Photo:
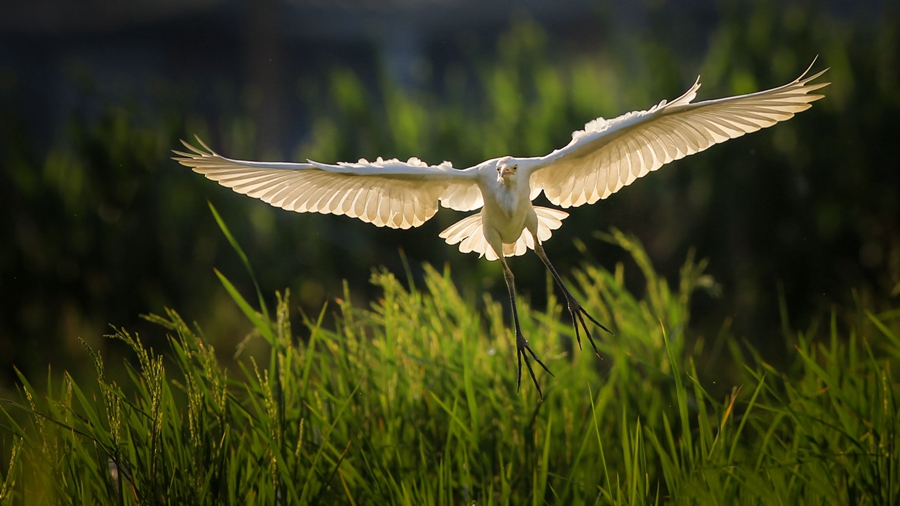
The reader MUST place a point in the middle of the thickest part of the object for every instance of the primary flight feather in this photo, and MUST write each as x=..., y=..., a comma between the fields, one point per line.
x=599, y=161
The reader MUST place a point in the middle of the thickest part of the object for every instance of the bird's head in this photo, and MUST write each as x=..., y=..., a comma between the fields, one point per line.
x=506, y=169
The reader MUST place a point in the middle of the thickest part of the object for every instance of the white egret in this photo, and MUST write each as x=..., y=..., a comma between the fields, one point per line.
x=599, y=161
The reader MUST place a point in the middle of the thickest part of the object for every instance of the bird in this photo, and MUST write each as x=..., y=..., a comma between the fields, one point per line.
x=600, y=160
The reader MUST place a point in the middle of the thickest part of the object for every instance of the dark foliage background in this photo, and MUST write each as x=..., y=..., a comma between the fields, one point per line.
x=98, y=225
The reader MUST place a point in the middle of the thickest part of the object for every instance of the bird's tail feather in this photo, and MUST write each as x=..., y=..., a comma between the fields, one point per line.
x=469, y=234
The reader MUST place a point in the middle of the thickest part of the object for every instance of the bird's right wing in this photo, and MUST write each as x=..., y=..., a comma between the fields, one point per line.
x=387, y=193
x=610, y=154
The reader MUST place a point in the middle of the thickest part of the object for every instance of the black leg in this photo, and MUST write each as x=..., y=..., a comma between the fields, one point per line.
x=522, y=348
x=577, y=312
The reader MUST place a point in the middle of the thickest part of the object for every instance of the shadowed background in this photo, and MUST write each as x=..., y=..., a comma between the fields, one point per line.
x=99, y=225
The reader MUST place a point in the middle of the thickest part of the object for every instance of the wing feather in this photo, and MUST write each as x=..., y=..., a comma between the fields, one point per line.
x=610, y=154
x=385, y=192
x=357, y=202
x=371, y=208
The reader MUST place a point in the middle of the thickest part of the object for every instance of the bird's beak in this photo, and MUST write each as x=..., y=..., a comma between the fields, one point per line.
x=504, y=171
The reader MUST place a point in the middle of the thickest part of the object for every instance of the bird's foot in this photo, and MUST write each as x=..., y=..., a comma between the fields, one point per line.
x=523, y=350
x=579, y=314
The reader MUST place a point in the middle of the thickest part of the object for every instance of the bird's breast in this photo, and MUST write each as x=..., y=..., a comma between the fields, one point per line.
x=507, y=200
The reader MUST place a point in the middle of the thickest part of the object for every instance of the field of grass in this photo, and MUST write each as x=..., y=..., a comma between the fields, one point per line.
x=413, y=401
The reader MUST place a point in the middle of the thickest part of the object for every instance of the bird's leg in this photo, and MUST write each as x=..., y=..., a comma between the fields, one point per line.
x=577, y=312
x=521, y=343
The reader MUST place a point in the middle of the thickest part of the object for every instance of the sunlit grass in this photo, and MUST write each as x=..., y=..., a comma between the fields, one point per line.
x=413, y=401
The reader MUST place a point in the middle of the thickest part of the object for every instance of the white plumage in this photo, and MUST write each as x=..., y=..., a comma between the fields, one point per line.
x=469, y=234
x=599, y=161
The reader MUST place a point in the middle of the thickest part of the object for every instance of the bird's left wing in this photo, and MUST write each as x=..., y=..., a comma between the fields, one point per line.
x=610, y=154
x=384, y=192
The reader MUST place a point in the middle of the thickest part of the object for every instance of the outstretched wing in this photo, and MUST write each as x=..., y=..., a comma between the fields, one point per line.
x=384, y=192
x=610, y=154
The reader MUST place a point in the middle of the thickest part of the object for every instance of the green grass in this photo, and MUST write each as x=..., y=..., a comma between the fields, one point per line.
x=414, y=401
